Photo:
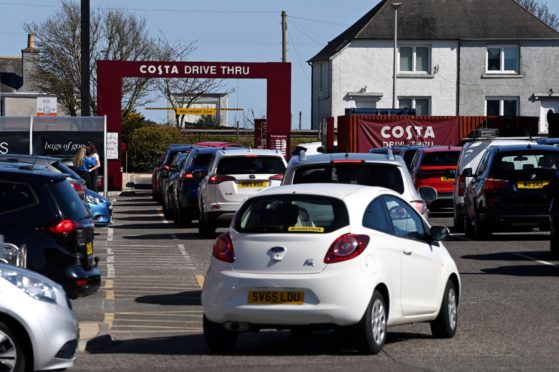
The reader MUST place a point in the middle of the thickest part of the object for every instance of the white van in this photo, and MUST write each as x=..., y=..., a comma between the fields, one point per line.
x=472, y=152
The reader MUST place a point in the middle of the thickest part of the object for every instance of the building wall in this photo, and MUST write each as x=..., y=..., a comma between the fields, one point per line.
x=19, y=106
x=321, y=93
x=538, y=73
x=366, y=66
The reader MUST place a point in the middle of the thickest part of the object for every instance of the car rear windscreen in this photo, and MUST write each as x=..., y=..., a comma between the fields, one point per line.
x=440, y=158
x=519, y=163
x=202, y=160
x=291, y=214
x=70, y=204
x=251, y=165
x=369, y=174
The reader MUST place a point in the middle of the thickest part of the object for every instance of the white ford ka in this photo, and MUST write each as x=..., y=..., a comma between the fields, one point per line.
x=353, y=258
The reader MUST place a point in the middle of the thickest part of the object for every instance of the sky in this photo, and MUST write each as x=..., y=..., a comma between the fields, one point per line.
x=223, y=31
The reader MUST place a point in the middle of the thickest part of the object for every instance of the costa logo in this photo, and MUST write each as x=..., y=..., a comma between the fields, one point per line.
x=159, y=70
x=407, y=132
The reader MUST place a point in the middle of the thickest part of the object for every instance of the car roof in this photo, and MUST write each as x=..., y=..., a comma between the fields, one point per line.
x=328, y=157
x=538, y=147
x=336, y=190
x=26, y=157
x=205, y=150
x=440, y=149
x=23, y=170
x=233, y=151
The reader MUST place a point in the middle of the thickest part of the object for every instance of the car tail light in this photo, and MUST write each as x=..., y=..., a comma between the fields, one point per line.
x=166, y=167
x=419, y=206
x=223, y=248
x=276, y=177
x=187, y=176
x=219, y=178
x=80, y=189
x=346, y=247
x=81, y=283
x=64, y=227
x=494, y=184
x=461, y=185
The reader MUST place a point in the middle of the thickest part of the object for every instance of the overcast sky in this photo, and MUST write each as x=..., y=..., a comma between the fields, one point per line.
x=224, y=30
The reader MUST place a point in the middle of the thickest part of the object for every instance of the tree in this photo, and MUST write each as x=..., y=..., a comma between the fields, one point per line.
x=541, y=11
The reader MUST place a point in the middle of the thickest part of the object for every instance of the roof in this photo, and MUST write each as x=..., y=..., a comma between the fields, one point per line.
x=531, y=147
x=342, y=156
x=335, y=190
x=440, y=149
x=238, y=151
x=443, y=20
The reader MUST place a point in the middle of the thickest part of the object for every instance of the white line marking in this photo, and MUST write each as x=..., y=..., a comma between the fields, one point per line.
x=110, y=234
x=110, y=264
x=535, y=259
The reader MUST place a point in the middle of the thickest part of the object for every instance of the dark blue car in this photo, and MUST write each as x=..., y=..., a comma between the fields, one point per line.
x=186, y=186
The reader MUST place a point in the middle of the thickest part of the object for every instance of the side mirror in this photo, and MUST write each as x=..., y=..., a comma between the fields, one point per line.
x=198, y=174
x=439, y=233
x=428, y=193
x=467, y=172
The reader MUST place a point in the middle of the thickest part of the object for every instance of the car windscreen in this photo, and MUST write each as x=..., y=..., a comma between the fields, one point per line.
x=369, y=174
x=251, y=165
x=68, y=201
x=440, y=158
x=521, y=164
x=292, y=213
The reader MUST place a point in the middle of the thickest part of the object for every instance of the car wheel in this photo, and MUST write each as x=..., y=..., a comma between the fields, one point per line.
x=444, y=326
x=468, y=228
x=554, y=243
x=218, y=338
x=481, y=230
x=371, y=330
x=206, y=226
x=184, y=218
x=459, y=224
x=12, y=357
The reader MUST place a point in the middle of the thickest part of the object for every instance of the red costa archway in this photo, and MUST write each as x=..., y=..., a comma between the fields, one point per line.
x=277, y=75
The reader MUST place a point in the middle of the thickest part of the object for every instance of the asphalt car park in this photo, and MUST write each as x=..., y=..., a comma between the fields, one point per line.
x=148, y=314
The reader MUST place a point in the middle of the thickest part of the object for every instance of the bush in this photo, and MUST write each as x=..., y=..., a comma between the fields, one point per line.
x=147, y=143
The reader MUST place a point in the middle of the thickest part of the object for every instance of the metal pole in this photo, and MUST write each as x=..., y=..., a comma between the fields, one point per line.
x=105, y=172
x=283, y=36
x=84, y=40
x=31, y=123
x=395, y=6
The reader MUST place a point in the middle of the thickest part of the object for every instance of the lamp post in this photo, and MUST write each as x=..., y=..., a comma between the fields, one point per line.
x=395, y=6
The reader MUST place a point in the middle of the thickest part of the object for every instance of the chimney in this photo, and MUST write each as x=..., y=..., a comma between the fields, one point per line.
x=29, y=62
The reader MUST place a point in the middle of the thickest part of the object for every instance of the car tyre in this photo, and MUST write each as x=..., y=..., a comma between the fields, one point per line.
x=459, y=224
x=554, y=243
x=218, y=338
x=468, y=228
x=444, y=326
x=206, y=226
x=184, y=218
x=481, y=230
x=371, y=330
x=11, y=350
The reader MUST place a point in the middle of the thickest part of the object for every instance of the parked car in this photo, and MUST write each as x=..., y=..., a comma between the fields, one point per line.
x=433, y=170
x=155, y=176
x=185, y=187
x=38, y=330
x=472, y=151
x=406, y=151
x=347, y=257
x=233, y=175
x=101, y=208
x=310, y=148
x=384, y=170
x=161, y=170
x=167, y=184
x=511, y=186
x=41, y=211
x=218, y=144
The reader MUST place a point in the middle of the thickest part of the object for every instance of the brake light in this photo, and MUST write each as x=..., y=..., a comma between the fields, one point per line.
x=166, y=167
x=494, y=184
x=346, y=247
x=79, y=188
x=347, y=161
x=64, y=227
x=219, y=178
x=223, y=248
x=187, y=176
x=419, y=206
x=276, y=177
x=82, y=283
x=461, y=185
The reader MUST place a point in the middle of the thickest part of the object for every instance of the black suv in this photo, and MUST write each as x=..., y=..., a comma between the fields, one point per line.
x=40, y=211
x=512, y=185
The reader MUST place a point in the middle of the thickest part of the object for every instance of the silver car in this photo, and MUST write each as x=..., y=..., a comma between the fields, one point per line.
x=38, y=330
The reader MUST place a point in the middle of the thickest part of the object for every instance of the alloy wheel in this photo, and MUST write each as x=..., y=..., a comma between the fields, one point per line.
x=451, y=308
x=378, y=321
x=8, y=353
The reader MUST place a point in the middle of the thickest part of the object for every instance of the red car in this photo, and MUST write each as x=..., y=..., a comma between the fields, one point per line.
x=217, y=144
x=433, y=171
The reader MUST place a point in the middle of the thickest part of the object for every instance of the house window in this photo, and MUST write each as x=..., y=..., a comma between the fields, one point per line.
x=501, y=106
x=502, y=59
x=414, y=59
x=421, y=105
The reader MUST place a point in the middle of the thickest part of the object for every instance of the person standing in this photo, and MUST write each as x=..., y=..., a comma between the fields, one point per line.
x=82, y=163
x=94, y=171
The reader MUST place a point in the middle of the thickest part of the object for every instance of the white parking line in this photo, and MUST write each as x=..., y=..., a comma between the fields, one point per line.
x=535, y=259
x=110, y=263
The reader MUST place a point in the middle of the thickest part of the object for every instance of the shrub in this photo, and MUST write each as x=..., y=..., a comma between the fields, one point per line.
x=147, y=143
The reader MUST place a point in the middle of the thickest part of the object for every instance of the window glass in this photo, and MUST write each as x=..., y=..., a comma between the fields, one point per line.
x=440, y=158
x=422, y=107
x=250, y=165
x=202, y=160
x=509, y=107
x=68, y=201
x=375, y=216
x=493, y=107
x=494, y=59
x=292, y=214
x=370, y=174
x=16, y=196
x=422, y=59
x=515, y=165
x=406, y=59
x=405, y=103
x=405, y=221
x=511, y=60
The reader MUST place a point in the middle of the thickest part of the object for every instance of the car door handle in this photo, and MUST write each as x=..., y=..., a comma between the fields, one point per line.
x=407, y=253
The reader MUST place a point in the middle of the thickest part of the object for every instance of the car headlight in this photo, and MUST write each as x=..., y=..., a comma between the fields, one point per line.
x=92, y=199
x=30, y=284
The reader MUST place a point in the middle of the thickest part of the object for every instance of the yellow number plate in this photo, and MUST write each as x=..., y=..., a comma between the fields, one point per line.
x=253, y=183
x=276, y=297
x=445, y=178
x=89, y=248
x=532, y=184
